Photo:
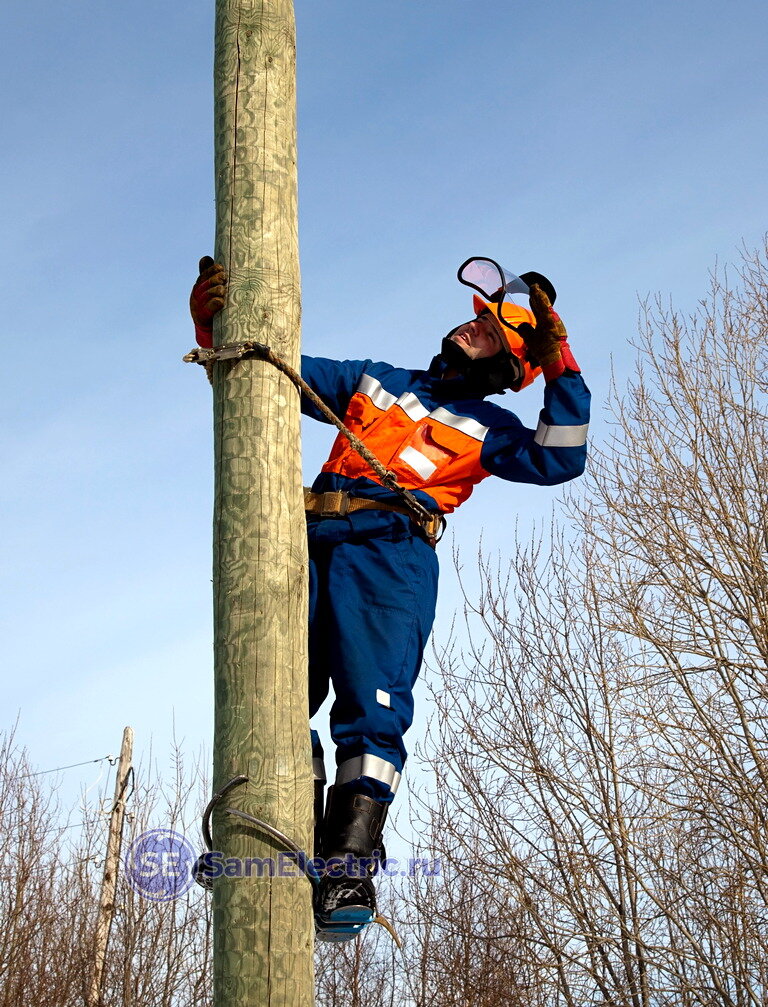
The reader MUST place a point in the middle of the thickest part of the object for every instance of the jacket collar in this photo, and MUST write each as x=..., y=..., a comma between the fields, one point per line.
x=450, y=388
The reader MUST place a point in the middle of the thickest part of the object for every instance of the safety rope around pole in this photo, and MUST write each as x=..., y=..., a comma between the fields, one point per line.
x=242, y=351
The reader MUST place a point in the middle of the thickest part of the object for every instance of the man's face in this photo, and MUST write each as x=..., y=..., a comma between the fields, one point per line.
x=478, y=338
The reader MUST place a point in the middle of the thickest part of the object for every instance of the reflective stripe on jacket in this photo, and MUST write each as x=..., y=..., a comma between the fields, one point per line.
x=437, y=436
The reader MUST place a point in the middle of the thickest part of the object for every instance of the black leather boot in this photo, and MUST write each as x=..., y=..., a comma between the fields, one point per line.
x=345, y=899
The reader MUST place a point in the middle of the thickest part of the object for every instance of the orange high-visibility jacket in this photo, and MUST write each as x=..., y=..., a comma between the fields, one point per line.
x=437, y=436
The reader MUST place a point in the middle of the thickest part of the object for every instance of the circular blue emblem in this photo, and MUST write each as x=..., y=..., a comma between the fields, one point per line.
x=159, y=864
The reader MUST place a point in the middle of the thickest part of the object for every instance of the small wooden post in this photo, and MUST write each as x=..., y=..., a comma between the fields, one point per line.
x=263, y=929
x=111, y=866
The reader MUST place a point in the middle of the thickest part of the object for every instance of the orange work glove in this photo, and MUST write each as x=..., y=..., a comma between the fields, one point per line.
x=207, y=297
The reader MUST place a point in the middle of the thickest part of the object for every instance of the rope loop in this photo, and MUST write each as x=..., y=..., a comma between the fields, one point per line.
x=250, y=349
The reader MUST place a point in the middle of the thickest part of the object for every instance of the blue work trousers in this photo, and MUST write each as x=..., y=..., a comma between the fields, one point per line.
x=372, y=596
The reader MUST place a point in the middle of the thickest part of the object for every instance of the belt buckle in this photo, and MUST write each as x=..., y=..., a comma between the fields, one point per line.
x=435, y=528
x=334, y=503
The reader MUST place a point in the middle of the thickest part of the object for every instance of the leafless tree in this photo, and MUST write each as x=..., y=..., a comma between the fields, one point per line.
x=159, y=951
x=600, y=744
x=465, y=938
x=31, y=934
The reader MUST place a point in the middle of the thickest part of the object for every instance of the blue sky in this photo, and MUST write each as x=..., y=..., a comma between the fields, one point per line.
x=618, y=148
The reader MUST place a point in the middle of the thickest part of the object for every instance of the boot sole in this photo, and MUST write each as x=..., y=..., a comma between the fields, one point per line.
x=343, y=924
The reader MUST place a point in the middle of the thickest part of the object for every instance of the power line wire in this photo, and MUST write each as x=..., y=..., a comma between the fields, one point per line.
x=42, y=772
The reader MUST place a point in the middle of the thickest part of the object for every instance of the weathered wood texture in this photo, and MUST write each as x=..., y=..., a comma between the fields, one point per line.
x=106, y=911
x=263, y=937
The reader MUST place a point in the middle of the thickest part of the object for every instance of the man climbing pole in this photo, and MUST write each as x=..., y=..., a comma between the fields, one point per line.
x=372, y=563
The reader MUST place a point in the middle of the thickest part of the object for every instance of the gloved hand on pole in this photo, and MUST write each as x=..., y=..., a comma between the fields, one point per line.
x=548, y=340
x=207, y=297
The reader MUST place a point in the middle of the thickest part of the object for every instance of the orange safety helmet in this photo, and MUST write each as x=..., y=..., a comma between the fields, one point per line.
x=513, y=314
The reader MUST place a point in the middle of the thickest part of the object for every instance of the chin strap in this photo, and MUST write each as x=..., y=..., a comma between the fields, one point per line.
x=487, y=376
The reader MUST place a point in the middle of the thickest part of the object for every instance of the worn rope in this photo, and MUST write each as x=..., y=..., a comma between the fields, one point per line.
x=263, y=352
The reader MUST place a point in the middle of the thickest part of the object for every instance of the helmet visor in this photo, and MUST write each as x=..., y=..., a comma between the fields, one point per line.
x=490, y=279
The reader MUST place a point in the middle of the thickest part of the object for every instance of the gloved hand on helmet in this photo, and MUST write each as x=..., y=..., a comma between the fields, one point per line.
x=207, y=298
x=548, y=341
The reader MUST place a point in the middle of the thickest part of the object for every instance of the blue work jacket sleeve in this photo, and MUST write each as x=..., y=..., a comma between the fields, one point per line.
x=335, y=381
x=553, y=453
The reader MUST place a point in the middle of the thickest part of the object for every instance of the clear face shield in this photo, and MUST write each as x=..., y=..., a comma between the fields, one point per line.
x=493, y=282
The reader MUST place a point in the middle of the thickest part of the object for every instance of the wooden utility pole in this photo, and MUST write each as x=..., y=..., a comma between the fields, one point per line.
x=111, y=867
x=263, y=930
